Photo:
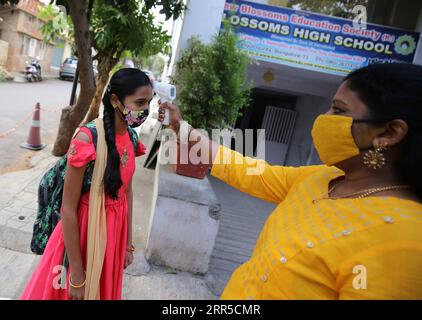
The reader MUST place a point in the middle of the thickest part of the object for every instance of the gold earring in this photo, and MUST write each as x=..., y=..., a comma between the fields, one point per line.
x=375, y=159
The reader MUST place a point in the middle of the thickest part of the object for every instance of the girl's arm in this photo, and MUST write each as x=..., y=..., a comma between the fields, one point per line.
x=71, y=196
x=129, y=196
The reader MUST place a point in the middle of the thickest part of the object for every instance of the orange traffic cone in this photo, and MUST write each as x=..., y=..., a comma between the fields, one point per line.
x=34, y=139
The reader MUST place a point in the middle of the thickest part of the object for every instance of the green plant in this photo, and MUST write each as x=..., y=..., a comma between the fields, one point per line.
x=211, y=82
x=56, y=25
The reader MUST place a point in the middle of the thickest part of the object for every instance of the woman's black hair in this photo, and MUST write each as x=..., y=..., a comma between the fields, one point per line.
x=394, y=91
x=123, y=83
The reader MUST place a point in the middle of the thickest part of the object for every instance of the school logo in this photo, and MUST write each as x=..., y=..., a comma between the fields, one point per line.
x=405, y=45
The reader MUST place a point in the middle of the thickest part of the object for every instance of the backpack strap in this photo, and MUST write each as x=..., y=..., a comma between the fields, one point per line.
x=134, y=137
x=132, y=134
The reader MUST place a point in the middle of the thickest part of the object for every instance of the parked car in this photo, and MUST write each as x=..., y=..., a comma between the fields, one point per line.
x=68, y=69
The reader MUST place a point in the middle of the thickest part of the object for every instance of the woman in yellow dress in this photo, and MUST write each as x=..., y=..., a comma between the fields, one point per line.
x=352, y=227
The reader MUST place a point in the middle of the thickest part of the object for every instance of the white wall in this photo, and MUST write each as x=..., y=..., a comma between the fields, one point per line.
x=202, y=19
x=175, y=29
x=294, y=80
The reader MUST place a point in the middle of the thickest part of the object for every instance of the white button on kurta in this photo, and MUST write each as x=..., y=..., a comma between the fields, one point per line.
x=388, y=219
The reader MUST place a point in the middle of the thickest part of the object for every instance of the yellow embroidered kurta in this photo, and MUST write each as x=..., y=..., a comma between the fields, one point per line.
x=369, y=248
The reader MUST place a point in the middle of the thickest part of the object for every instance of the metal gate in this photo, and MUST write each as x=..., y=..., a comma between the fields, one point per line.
x=57, y=57
x=279, y=124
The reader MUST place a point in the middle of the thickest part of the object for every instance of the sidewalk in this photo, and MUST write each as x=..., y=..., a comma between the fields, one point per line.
x=20, y=77
x=18, y=205
x=158, y=284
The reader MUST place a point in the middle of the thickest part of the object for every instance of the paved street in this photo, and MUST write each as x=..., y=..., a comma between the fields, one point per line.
x=17, y=103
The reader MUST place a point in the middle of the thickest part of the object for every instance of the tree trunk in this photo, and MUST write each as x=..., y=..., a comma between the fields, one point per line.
x=105, y=65
x=72, y=116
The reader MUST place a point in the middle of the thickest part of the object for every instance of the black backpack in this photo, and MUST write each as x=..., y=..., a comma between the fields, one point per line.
x=50, y=192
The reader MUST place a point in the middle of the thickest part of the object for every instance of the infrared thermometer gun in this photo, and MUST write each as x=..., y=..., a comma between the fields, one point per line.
x=167, y=93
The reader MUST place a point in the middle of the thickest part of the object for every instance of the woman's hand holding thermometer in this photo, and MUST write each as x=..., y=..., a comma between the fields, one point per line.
x=167, y=93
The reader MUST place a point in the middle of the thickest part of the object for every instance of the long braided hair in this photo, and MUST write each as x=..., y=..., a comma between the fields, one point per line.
x=123, y=83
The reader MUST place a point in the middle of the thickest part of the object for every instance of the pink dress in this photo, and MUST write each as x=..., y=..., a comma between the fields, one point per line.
x=44, y=284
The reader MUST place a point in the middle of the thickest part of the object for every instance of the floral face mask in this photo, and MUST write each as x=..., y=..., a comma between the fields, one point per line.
x=134, y=118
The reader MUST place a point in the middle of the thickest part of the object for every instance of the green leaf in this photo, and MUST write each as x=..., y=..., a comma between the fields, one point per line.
x=211, y=82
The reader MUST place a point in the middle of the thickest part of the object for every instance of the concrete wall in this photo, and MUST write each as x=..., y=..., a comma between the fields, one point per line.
x=8, y=34
x=16, y=24
x=4, y=49
x=301, y=151
x=184, y=222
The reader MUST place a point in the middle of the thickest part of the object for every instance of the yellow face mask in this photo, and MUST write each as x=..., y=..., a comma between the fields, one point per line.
x=333, y=140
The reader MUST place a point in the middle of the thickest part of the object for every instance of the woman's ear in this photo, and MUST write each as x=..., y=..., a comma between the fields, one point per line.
x=394, y=133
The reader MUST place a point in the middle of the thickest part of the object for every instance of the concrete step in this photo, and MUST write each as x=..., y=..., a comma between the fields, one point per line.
x=15, y=239
x=15, y=271
x=159, y=285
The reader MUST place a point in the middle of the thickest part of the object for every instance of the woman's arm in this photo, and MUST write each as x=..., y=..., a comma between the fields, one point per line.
x=252, y=176
x=71, y=196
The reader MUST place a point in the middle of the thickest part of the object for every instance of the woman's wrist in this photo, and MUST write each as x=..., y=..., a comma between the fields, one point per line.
x=77, y=280
x=176, y=128
x=77, y=272
x=130, y=248
x=184, y=131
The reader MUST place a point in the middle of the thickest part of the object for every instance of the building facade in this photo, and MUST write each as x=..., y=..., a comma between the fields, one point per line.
x=21, y=39
x=286, y=97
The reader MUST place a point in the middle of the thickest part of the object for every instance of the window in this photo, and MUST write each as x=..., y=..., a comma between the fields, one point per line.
x=25, y=45
x=71, y=61
x=41, y=50
x=29, y=46
x=32, y=47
